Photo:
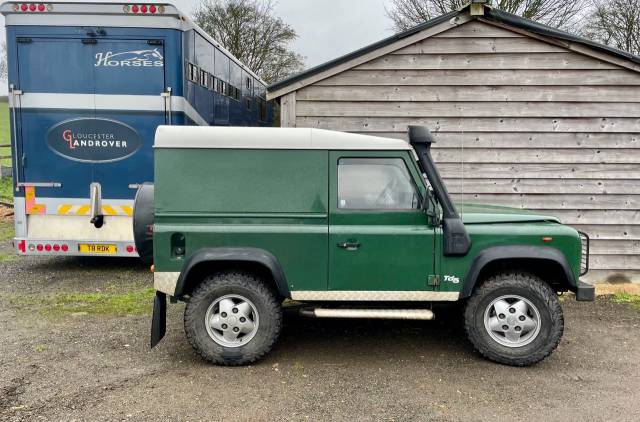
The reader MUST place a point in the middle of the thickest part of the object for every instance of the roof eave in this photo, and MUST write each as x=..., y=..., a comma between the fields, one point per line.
x=491, y=15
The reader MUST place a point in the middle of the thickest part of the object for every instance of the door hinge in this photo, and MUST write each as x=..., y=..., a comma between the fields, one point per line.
x=24, y=40
x=155, y=42
x=433, y=280
x=89, y=41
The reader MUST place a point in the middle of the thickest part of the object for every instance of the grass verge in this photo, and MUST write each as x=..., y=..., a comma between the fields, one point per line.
x=5, y=135
x=6, y=189
x=6, y=230
x=135, y=302
x=633, y=300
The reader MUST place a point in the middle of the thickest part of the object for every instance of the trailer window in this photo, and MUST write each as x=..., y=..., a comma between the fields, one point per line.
x=192, y=72
x=204, y=78
x=376, y=184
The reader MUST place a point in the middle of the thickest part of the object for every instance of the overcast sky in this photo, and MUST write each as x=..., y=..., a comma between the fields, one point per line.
x=326, y=28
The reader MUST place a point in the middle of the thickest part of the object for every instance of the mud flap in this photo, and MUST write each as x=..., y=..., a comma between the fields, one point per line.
x=585, y=292
x=159, y=319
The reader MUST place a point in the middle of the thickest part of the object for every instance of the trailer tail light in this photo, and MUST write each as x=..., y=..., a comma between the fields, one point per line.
x=22, y=246
x=39, y=247
x=32, y=7
x=130, y=249
x=64, y=248
x=56, y=248
x=143, y=9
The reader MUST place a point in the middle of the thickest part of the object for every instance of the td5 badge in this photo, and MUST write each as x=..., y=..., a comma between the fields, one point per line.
x=451, y=279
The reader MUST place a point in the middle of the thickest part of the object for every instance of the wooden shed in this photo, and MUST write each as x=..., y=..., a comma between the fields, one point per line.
x=524, y=116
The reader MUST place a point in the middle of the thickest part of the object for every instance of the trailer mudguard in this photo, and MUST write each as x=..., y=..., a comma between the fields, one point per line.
x=499, y=253
x=237, y=255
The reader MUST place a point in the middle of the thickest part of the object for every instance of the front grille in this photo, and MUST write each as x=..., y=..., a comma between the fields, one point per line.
x=584, y=258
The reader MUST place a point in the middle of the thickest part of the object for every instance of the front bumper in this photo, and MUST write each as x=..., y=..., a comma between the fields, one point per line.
x=585, y=292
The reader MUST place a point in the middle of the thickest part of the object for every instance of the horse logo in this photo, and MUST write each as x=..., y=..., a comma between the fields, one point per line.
x=135, y=58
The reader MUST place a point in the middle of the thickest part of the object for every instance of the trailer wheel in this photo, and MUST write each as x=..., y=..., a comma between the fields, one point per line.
x=232, y=318
x=515, y=319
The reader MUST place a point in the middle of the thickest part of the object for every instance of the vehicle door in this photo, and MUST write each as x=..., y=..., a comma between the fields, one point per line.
x=128, y=73
x=55, y=80
x=379, y=237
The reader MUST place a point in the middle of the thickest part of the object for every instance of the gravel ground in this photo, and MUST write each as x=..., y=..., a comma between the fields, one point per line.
x=58, y=362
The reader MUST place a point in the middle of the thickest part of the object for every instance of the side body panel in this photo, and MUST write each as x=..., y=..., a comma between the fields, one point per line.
x=484, y=236
x=272, y=200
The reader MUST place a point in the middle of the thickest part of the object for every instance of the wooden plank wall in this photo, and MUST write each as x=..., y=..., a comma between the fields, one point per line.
x=519, y=122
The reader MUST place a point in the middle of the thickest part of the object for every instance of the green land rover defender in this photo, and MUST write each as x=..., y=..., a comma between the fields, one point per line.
x=241, y=220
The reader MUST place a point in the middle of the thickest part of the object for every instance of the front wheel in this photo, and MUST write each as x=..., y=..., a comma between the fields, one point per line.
x=232, y=318
x=514, y=318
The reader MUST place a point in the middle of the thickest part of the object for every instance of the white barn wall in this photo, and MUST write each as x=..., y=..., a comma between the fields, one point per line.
x=533, y=125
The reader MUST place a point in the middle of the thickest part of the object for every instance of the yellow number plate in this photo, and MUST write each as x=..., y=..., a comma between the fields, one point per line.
x=97, y=248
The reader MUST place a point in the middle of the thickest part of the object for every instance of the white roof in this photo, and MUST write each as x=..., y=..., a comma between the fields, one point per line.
x=224, y=137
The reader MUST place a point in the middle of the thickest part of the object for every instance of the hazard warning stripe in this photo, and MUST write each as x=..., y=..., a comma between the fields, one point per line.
x=30, y=202
x=85, y=209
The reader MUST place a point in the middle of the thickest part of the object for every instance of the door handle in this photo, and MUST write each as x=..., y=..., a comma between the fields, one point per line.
x=350, y=246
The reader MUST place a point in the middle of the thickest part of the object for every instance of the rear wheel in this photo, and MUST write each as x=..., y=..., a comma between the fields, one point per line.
x=233, y=318
x=514, y=318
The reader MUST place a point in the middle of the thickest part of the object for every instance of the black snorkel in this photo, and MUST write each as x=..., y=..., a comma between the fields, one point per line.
x=456, y=239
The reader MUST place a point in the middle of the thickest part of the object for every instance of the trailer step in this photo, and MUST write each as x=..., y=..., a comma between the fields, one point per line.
x=415, y=314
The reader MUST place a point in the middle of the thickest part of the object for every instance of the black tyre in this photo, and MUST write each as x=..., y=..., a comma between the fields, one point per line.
x=233, y=318
x=514, y=318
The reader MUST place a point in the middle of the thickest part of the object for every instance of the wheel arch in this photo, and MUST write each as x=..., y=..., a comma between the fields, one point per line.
x=556, y=270
x=208, y=260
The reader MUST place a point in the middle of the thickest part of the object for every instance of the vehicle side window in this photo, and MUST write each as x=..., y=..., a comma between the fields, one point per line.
x=376, y=184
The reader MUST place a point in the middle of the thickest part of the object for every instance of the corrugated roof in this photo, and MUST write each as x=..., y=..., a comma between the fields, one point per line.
x=491, y=14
